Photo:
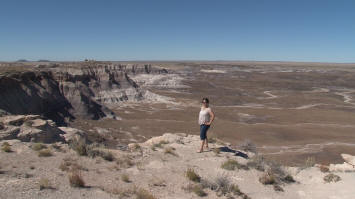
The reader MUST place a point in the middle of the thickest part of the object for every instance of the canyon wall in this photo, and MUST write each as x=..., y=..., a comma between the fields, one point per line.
x=67, y=92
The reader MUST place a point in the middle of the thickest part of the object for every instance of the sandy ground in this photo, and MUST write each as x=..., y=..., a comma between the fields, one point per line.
x=161, y=173
x=289, y=110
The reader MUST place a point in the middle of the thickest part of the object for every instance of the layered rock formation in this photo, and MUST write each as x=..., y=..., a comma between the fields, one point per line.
x=70, y=91
x=30, y=128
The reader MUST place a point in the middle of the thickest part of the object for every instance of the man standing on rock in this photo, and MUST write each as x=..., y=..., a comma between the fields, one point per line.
x=205, y=120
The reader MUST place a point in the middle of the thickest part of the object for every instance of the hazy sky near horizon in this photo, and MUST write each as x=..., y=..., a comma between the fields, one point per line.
x=269, y=30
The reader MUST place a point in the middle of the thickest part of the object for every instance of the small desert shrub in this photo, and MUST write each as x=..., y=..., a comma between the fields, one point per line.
x=75, y=179
x=209, y=184
x=216, y=151
x=248, y=145
x=56, y=147
x=136, y=147
x=130, y=192
x=278, y=188
x=267, y=179
x=159, y=145
x=38, y=146
x=276, y=170
x=235, y=190
x=5, y=144
x=232, y=165
x=107, y=155
x=324, y=168
x=192, y=175
x=198, y=190
x=125, y=178
x=143, y=194
x=79, y=146
x=223, y=184
x=309, y=162
x=6, y=147
x=44, y=153
x=212, y=140
x=124, y=162
x=70, y=165
x=170, y=150
x=288, y=179
x=44, y=184
x=195, y=188
x=257, y=162
x=331, y=178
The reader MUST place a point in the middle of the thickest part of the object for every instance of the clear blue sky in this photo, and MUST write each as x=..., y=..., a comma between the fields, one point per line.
x=289, y=30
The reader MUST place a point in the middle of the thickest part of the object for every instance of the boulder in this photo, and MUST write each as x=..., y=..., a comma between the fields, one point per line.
x=9, y=132
x=17, y=120
x=40, y=131
x=347, y=166
x=72, y=134
x=348, y=159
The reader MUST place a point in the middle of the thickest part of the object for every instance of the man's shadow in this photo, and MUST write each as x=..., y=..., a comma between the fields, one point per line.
x=236, y=153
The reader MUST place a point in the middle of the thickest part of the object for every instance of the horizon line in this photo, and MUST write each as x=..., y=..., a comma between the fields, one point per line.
x=174, y=60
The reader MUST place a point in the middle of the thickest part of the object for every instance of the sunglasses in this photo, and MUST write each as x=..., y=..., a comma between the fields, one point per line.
x=204, y=102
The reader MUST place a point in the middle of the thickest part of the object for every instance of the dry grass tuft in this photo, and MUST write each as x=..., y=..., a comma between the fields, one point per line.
x=257, y=162
x=124, y=162
x=216, y=151
x=267, y=178
x=44, y=153
x=75, y=179
x=69, y=164
x=136, y=147
x=248, y=145
x=331, y=178
x=309, y=162
x=44, y=184
x=232, y=165
x=324, y=168
x=196, y=188
x=170, y=150
x=6, y=147
x=143, y=194
x=125, y=178
x=107, y=155
x=38, y=146
x=159, y=145
x=278, y=188
x=56, y=147
x=288, y=179
x=192, y=175
x=79, y=146
x=212, y=140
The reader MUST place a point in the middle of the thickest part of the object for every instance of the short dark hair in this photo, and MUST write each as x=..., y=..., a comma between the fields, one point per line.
x=206, y=100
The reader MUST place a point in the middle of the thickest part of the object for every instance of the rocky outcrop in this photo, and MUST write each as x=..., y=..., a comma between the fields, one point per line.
x=30, y=128
x=347, y=166
x=66, y=92
x=33, y=93
x=72, y=134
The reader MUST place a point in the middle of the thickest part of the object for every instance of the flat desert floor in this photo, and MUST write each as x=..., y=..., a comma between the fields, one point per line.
x=291, y=111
